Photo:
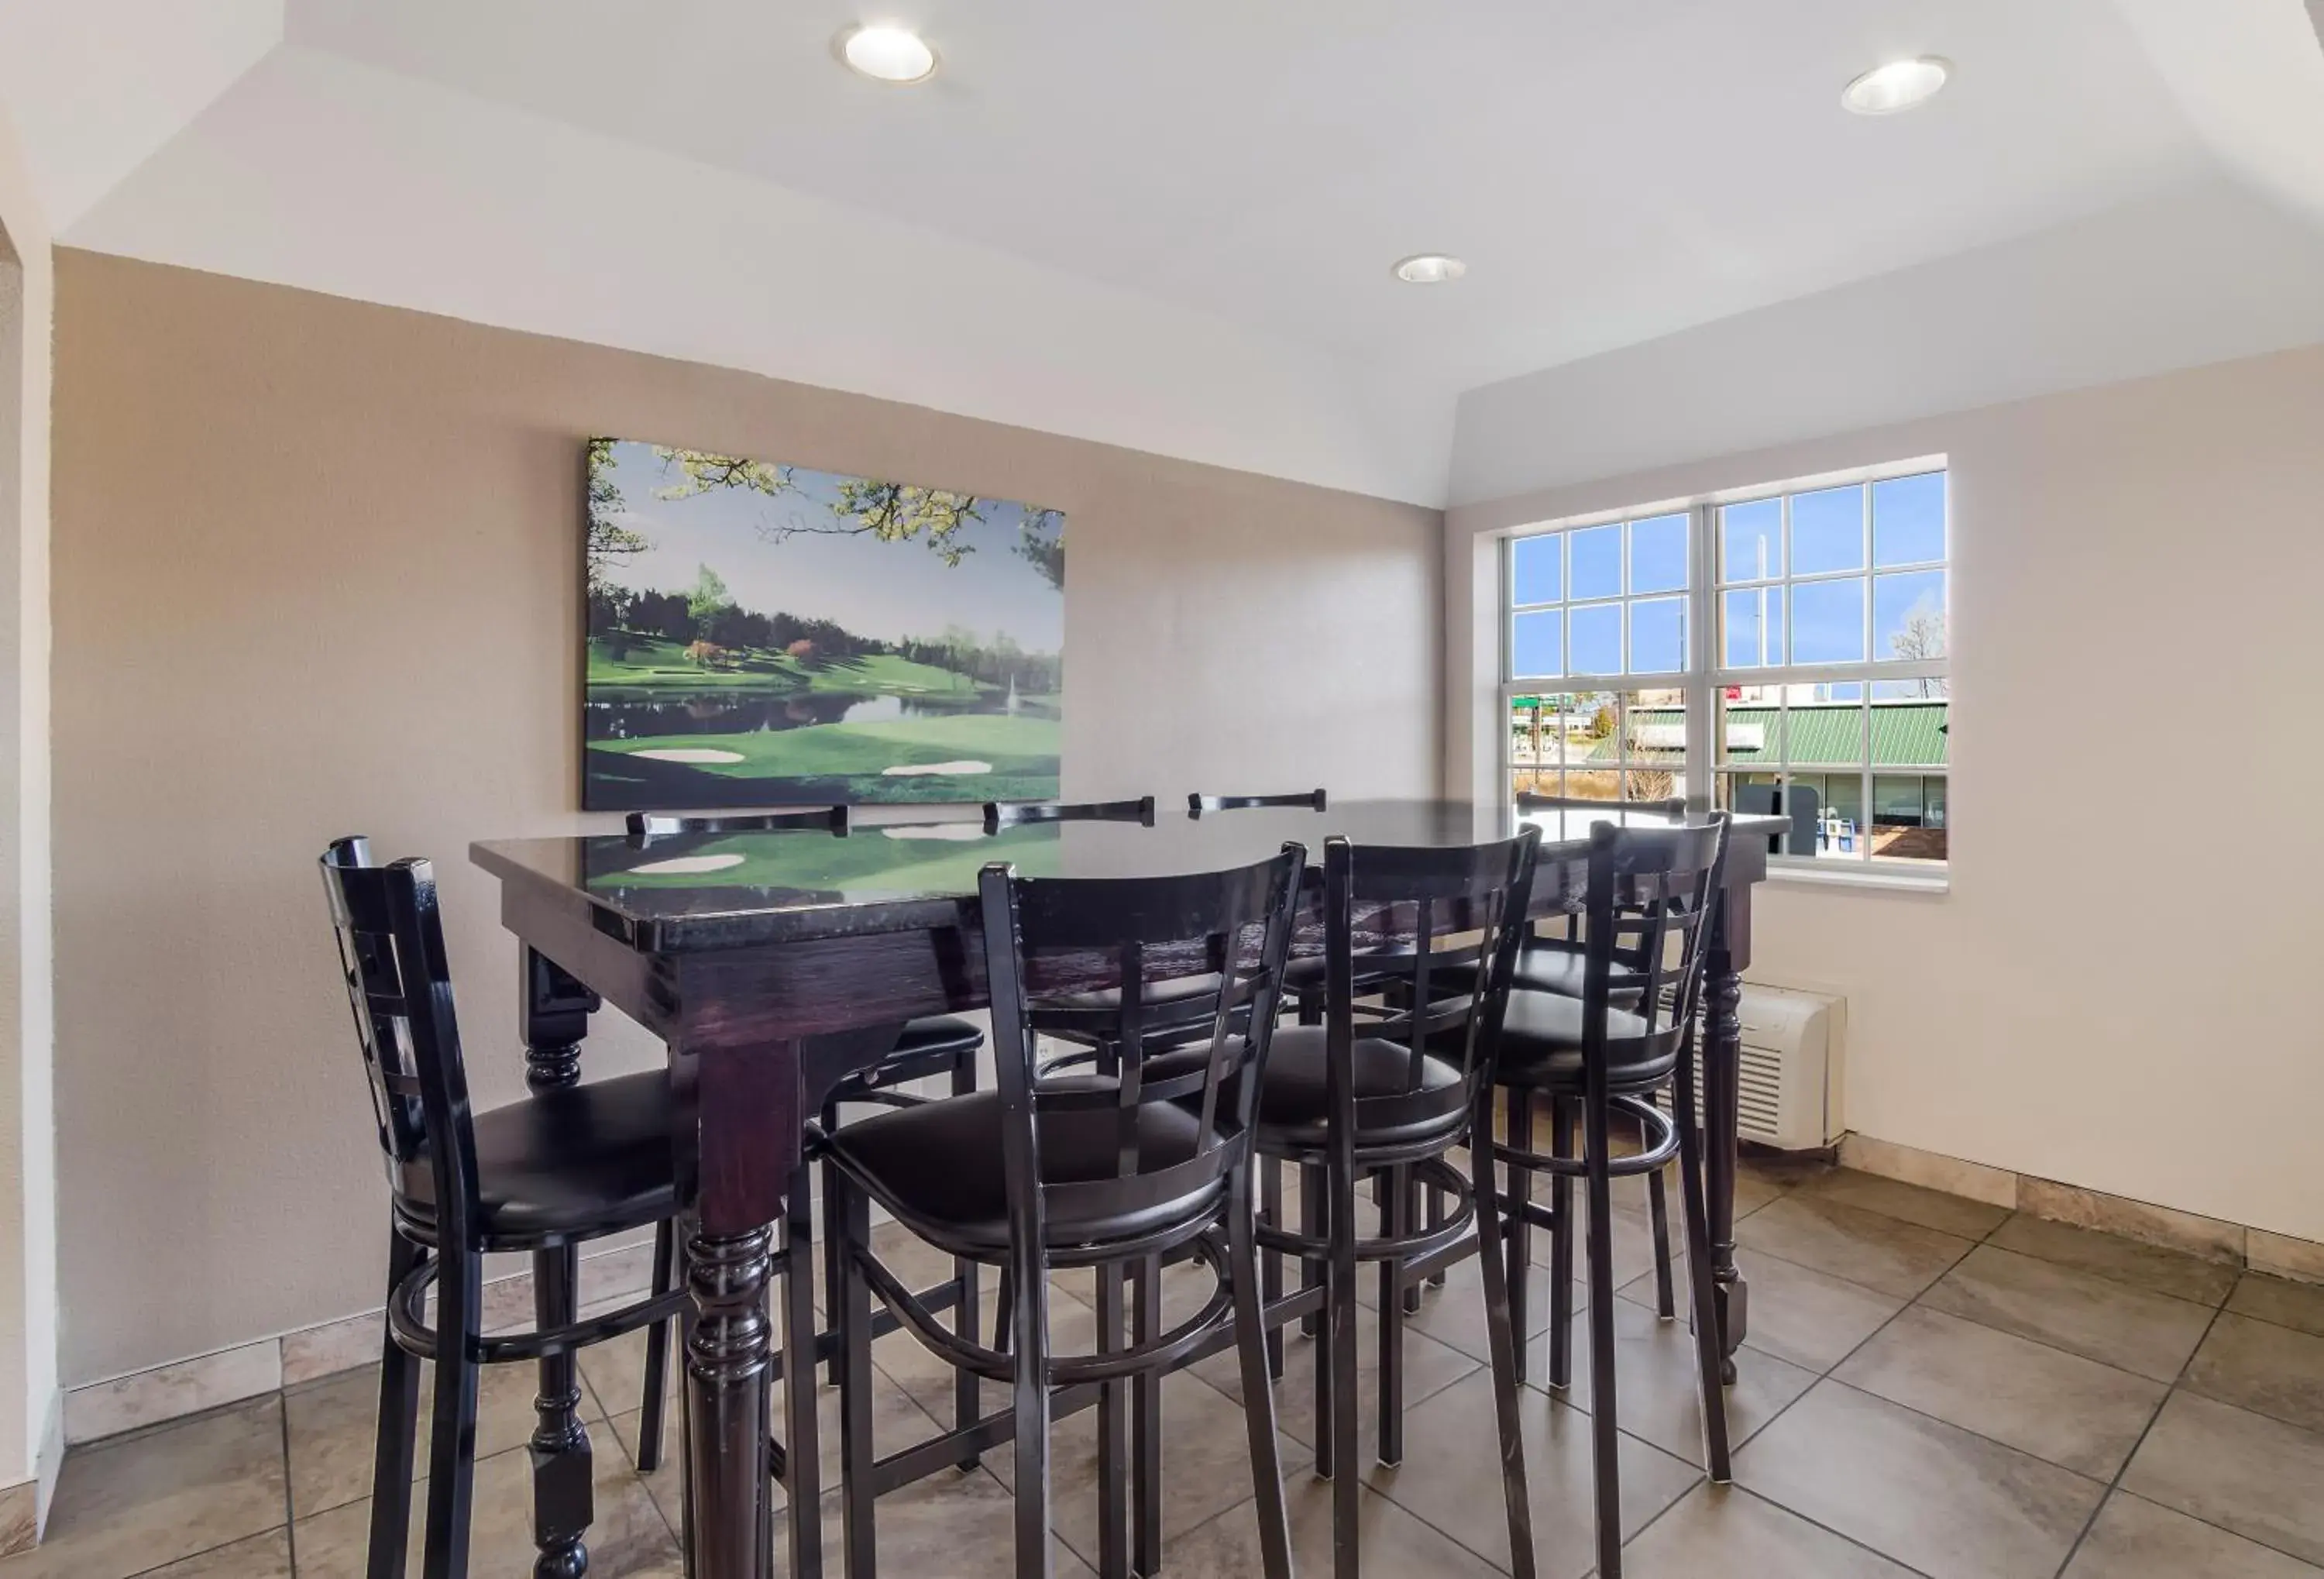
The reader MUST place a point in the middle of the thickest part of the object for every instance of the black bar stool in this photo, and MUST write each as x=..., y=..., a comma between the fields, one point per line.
x=537, y=1176
x=1387, y=1094
x=1096, y=1170
x=1663, y=885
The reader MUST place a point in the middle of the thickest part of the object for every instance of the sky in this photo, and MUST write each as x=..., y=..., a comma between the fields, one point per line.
x=1825, y=619
x=887, y=590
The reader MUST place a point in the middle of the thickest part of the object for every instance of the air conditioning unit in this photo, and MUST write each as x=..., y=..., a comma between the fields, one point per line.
x=1792, y=1047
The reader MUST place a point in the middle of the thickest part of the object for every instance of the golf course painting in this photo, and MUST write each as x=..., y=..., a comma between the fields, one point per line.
x=765, y=635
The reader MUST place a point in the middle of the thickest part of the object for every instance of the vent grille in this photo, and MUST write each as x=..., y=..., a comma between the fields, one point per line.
x=1760, y=1102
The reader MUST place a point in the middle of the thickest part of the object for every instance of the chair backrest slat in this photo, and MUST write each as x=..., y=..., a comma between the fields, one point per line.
x=1660, y=886
x=399, y=984
x=1008, y=814
x=1197, y=805
x=1228, y=931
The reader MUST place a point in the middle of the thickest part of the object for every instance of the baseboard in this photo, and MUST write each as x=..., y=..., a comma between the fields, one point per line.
x=159, y=1393
x=2260, y=1249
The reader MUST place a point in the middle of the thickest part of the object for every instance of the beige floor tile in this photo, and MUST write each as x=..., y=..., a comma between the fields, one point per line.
x=1450, y=1476
x=2122, y=1260
x=2149, y=1334
x=1429, y=1367
x=260, y=1556
x=1931, y=1495
x=628, y=1538
x=2281, y=1301
x=333, y=1428
x=2133, y=1539
x=1909, y=1202
x=667, y=1485
x=2041, y=1400
x=1392, y=1540
x=1725, y=1529
x=959, y=1525
x=2234, y=1469
x=2259, y=1366
x=136, y=1502
x=1884, y=1254
x=1654, y=1383
x=1455, y=1314
x=1806, y=1317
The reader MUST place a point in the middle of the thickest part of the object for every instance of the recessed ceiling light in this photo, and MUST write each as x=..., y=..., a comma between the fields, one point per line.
x=1430, y=269
x=1898, y=85
x=886, y=52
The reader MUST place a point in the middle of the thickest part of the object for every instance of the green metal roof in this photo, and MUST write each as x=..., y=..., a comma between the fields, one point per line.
x=1904, y=734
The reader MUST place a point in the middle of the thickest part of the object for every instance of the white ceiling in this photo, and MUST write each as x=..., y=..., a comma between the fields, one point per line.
x=1166, y=225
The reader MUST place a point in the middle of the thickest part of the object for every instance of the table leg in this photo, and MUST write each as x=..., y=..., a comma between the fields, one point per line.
x=726, y=1387
x=1722, y=1056
x=554, y=1015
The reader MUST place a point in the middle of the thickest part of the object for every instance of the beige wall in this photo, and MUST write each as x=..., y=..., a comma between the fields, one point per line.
x=316, y=572
x=2120, y=990
x=28, y=1284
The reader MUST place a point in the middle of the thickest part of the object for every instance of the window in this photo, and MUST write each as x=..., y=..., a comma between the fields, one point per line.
x=1820, y=686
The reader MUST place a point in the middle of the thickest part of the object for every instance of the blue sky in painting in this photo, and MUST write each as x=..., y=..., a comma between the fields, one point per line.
x=888, y=590
x=1854, y=529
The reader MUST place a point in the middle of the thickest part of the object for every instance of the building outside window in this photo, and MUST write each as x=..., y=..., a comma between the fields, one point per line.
x=1786, y=648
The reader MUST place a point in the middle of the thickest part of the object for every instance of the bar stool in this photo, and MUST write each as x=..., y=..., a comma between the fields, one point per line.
x=1664, y=883
x=536, y=1177
x=1387, y=1094
x=1127, y=1168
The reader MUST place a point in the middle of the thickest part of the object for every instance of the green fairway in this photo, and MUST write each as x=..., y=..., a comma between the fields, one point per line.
x=663, y=666
x=851, y=761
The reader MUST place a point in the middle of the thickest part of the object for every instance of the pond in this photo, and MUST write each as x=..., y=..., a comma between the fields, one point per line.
x=640, y=716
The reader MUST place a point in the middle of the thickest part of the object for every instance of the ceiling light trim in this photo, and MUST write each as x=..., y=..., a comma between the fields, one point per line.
x=906, y=43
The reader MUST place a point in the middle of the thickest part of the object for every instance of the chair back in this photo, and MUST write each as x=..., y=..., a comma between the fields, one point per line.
x=1196, y=805
x=399, y=984
x=1659, y=886
x=1010, y=814
x=646, y=826
x=1434, y=930
x=1231, y=930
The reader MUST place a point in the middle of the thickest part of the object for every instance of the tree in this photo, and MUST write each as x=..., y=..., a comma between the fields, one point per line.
x=1040, y=543
x=802, y=651
x=611, y=542
x=1921, y=640
x=708, y=599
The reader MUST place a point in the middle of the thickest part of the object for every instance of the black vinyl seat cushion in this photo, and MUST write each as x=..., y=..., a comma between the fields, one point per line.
x=1295, y=1104
x=588, y=1159
x=938, y=1167
x=939, y=1037
x=1554, y=965
x=1541, y=1047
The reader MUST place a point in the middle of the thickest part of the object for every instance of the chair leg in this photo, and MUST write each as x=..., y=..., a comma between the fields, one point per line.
x=1561, y=1248
x=850, y=1210
x=1312, y=1192
x=1435, y=1199
x=1520, y=1229
x=1003, y=1313
x=1030, y=1401
x=1605, y=1441
x=650, y=1416
x=1395, y=1221
x=1146, y=1424
x=452, y=1455
x=802, y=1464
x=1503, y=1340
x=1271, y=1262
x=1314, y=1212
x=967, y=1398
x=1658, y=1211
x=398, y=1425
x=829, y=1119
x=1711, y=1391
x=1112, y=1437
x=1347, y=1481
x=1258, y=1398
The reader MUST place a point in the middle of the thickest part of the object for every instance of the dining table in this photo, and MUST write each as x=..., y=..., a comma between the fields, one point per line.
x=773, y=964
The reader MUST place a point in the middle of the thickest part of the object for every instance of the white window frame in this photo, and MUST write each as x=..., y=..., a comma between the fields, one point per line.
x=1705, y=677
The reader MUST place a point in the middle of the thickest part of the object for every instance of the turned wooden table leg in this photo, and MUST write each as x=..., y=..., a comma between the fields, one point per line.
x=727, y=1392
x=1722, y=1056
x=555, y=1016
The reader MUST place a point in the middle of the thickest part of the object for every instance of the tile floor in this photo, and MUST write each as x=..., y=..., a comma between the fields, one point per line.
x=1931, y=1386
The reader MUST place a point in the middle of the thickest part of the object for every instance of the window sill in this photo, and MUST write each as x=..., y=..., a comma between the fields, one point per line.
x=1883, y=880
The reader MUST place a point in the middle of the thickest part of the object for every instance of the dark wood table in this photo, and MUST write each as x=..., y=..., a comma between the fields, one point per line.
x=773, y=964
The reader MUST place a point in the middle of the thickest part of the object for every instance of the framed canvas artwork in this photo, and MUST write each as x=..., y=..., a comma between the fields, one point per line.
x=761, y=634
